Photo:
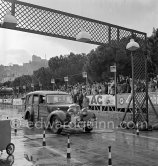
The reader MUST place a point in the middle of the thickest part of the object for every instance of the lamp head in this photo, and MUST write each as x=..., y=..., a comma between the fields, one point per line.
x=83, y=36
x=132, y=45
x=9, y=21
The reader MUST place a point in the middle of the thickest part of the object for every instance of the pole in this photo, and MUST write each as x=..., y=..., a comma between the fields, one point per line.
x=146, y=82
x=133, y=93
x=67, y=83
x=18, y=91
x=68, y=147
x=53, y=86
x=115, y=78
x=44, y=137
x=67, y=86
x=115, y=89
x=13, y=7
x=109, y=157
x=86, y=80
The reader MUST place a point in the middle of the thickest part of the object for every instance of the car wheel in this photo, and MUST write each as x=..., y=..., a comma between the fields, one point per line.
x=10, y=148
x=56, y=125
x=10, y=160
x=88, y=127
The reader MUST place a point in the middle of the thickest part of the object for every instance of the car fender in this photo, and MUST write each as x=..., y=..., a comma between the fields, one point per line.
x=61, y=115
x=90, y=115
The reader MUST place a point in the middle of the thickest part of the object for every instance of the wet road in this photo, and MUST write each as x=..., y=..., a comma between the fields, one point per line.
x=90, y=149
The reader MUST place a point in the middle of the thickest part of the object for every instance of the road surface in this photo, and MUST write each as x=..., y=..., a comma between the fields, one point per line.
x=87, y=149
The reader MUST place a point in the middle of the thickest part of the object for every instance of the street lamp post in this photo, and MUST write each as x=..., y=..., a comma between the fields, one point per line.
x=133, y=46
x=113, y=69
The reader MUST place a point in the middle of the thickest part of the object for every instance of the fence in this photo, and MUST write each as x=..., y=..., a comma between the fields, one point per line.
x=97, y=102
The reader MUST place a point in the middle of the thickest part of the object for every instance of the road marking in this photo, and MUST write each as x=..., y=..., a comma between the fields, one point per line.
x=143, y=136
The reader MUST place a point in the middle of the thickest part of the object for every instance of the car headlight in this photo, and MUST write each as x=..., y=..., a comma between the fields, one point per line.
x=71, y=111
x=74, y=109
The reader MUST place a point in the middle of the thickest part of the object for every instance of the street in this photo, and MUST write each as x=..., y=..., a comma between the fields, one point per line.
x=77, y=88
x=87, y=149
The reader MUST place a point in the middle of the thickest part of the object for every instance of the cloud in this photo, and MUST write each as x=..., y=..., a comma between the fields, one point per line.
x=17, y=56
x=18, y=47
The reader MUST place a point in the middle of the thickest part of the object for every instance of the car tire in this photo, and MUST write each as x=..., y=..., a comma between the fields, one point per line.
x=10, y=148
x=88, y=129
x=10, y=160
x=56, y=125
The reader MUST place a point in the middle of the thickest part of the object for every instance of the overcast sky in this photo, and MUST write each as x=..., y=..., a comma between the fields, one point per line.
x=18, y=47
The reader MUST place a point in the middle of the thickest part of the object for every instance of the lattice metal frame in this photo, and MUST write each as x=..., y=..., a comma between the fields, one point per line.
x=45, y=21
x=141, y=91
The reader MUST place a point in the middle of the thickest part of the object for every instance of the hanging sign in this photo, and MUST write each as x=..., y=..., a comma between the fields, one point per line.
x=24, y=87
x=84, y=74
x=113, y=69
x=52, y=80
x=66, y=79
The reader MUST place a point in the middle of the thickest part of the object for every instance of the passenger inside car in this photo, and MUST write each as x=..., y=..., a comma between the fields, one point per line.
x=41, y=100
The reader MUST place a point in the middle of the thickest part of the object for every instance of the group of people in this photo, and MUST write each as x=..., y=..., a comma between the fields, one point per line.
x=124, y=85
x=153, y=84
x=95, y=88
x=80, y=97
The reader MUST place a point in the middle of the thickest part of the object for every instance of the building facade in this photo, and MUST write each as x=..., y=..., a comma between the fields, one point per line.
x=9, y=73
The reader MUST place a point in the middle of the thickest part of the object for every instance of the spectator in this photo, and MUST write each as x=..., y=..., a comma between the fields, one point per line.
x=85, y=101
x=152, y=85
x=75, y=96
x=80, y=99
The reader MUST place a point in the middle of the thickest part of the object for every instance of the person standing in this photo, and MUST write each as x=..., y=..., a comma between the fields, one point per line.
x=75, y=96
x=85, y=101
x=80, y=99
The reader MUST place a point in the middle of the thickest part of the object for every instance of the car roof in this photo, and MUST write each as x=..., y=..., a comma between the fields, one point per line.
x=48, y=92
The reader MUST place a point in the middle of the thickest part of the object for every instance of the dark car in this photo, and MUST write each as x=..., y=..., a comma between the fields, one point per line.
x=56, y=110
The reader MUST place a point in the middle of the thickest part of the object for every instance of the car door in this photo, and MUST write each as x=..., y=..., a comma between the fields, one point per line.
x=28, y=107
x=36, y=106
x=43, y=114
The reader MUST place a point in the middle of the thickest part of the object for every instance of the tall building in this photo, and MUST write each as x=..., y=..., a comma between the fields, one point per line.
x=9, y=73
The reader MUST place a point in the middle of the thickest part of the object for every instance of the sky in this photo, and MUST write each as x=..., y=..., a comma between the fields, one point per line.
x=18, y=47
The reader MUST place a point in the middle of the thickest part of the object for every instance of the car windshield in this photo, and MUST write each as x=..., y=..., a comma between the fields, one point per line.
x=56, y=99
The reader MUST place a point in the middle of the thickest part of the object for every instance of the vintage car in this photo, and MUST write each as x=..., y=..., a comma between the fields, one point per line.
x=56, y=110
